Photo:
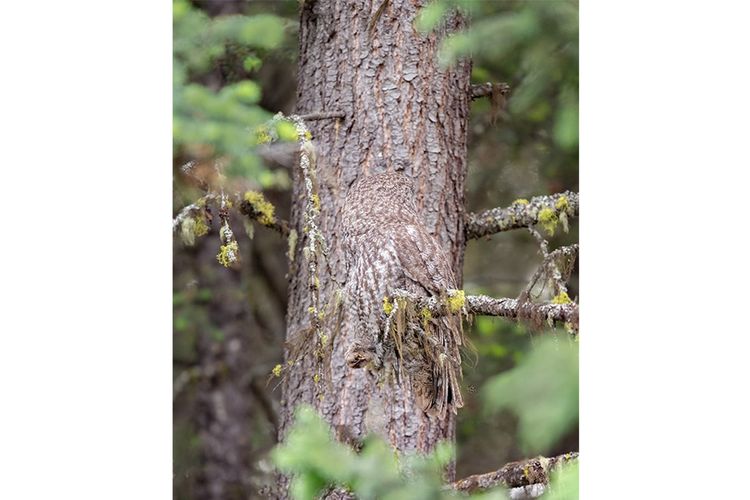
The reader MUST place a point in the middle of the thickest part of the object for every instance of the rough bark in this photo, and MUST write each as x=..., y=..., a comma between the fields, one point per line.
x=402, y=112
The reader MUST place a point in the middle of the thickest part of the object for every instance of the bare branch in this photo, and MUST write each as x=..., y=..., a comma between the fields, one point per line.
x=486, y=89
x=512, y=309
x=521, y=213
x=322, y=115
x=515, y=474
x=482, y=305
x=550, y=262
x=186, y=211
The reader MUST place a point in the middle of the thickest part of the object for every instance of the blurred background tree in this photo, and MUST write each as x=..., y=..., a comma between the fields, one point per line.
x=234, y=67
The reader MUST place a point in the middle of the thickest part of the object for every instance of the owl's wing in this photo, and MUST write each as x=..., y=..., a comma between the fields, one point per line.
x=423, y=261
x=426, y=266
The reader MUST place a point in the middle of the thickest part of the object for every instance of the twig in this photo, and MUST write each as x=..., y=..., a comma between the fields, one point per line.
x=191, y=208
x=195, y=373
x=322, y=115
x=550, y=260
x=520, y=214
x=487, y=89
x=279, y=225
x=515, y=474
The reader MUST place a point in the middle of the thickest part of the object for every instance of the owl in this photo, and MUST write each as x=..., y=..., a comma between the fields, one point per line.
x=388, y=248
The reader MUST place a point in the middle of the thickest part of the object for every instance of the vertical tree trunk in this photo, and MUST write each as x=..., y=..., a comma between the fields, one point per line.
x=402, y=112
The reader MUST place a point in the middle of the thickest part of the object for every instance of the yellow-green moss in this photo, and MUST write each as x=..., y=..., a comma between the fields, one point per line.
x=561, y=298
x=201, y=228
x=521, y=201
x=387, y=305
x=548, y=220
x=562, y=203
x=276, y=371
x=426, y=315
x=456, y=301
x=262, y=135
x=316, y=202
x=308, y=135
x=262, y=207
x=316, y=378
x=228, y=254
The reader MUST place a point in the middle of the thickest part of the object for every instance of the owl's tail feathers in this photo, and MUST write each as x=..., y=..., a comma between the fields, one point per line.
x=442, y=394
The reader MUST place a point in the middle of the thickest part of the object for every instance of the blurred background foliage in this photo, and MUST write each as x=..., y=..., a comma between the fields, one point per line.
x=234, y=67
x=317, y=463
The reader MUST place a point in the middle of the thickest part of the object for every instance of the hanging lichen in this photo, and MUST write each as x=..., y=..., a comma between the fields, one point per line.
x=229, y=252
x=548, y=220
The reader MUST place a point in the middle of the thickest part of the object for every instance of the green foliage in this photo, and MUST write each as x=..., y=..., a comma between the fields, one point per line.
x=532, y=45
x=564, y=483
x=430, y=16
x=318, y=462
x=213, y=122
x=542, y=390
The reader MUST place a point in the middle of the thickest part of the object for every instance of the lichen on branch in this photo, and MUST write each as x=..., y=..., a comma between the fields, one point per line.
x=515, y=474
x=536, y=313
x=549, y=210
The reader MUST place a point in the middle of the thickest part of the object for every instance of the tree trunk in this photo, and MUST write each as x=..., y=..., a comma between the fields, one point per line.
x=403, y=112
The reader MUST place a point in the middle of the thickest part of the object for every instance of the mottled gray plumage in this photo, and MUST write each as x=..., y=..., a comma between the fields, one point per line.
x=389, y=248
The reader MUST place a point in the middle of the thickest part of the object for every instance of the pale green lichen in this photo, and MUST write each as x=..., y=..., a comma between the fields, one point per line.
x=562, y=203
x=187, y=231
x=456, y=301
x=292, y=244
x=561, y=298
x=262, y=207
x=548, y=220
x=387, y=306
x=521, y=201
x=249, y=228
x=316, y=378
x=228, y=253
x=276, y=371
